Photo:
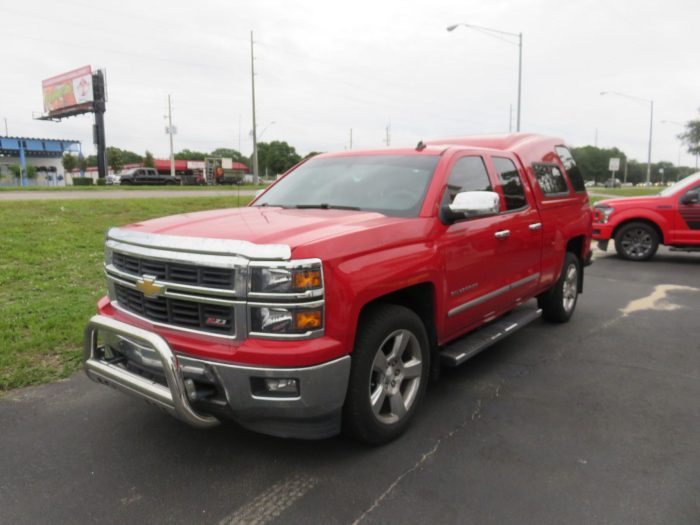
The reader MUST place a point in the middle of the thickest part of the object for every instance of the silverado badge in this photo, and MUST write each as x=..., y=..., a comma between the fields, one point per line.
x=147, y=284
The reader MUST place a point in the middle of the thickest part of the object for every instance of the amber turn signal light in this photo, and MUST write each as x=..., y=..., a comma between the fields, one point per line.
x=307, y=279
x=308, y=319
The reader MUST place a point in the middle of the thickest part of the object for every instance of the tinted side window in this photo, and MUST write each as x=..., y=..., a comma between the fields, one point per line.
x=571, y=168
x=468, y=174
x=550, y=179
x=508, y=176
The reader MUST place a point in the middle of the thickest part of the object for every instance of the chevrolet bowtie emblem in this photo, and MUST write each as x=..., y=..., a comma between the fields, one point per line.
x=147, y=284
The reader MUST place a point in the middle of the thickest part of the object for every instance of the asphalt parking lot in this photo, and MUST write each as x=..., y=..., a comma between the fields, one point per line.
x=595, y=421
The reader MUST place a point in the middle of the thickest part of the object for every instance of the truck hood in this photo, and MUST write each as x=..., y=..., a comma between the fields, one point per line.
x=263, y=225
x=632, y=202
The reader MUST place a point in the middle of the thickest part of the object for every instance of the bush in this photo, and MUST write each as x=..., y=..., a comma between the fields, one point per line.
x=101, y=182
x=82, y=181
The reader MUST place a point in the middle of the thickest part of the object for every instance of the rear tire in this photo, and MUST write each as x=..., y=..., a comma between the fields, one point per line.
x=559, y=302
x=636, y=241
x=389, y=374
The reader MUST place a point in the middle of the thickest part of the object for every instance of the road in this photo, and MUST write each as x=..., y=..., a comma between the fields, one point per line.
x=116, y=194
x=595, y=421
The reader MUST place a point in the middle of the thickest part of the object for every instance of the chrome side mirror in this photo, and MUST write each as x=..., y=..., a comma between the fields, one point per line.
x=472, y=204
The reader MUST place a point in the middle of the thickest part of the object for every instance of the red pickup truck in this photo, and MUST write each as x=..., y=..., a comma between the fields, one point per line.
x=639, y=224
x=330, y=299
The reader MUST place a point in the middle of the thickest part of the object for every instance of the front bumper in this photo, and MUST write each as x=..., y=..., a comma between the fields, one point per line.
x=602, y=231
x=183, y=385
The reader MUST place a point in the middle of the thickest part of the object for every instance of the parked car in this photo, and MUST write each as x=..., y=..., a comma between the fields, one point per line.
x=113, y=179
x=638, y=225
x=330, y=299
x=147, y=176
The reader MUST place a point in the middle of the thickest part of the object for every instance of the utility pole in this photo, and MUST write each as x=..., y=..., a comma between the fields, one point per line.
x=388, y=135
x=6, y=133
x=239, y=133
x=350, y=139
x=510, y=119
x=170, y=132
x=255, y=136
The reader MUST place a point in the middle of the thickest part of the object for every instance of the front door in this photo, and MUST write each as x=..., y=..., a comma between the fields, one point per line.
x=474, y=274
x=686, y=222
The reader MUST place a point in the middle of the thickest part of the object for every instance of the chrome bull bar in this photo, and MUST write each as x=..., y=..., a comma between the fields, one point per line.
x=172, y=398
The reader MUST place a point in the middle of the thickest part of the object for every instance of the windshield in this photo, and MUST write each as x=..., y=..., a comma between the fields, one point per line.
x=680, y=184
x=389, y=184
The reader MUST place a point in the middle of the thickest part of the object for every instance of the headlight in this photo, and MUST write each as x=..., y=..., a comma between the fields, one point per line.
x=604, y=213
x=286, y=280
x=280, y=320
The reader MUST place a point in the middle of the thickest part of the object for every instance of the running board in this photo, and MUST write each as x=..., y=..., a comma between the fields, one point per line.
x=684, y=249
x=457, y=352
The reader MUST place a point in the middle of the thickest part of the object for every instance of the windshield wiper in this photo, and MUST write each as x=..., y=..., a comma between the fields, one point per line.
x=326, y=206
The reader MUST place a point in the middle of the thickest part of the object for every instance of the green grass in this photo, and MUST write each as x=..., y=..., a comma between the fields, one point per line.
x=626, y=192
x=51, y=277
x=132, y=188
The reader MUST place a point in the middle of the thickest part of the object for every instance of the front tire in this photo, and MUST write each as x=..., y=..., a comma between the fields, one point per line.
x=389, y=374
x=636, y=241
x=559, y=302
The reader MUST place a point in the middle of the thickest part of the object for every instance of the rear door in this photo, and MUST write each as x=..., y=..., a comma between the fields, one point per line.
x=519, y=232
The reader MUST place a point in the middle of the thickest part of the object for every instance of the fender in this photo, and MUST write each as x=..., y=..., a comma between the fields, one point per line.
x=617, y=218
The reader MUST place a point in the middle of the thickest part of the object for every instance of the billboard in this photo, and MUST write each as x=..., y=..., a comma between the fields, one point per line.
x=68, y=90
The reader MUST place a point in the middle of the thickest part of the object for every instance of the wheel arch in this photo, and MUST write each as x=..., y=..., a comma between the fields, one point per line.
x=650, y=222
x=577, y=246
x=421, y=299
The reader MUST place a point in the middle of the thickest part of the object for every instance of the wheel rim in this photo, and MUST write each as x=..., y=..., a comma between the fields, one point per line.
x=395, y=377
x=636, y=242
x=570, y=288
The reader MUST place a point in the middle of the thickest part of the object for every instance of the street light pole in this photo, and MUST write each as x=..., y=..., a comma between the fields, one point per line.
x=651, y=124
x=170, y=132
x=255, y=136
x=494, y=33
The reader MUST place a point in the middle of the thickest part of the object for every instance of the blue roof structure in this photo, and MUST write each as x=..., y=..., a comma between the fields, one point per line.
x=34, y=147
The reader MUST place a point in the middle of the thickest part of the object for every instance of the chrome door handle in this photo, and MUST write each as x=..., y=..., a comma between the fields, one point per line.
x=503, y=234
x=536, y=226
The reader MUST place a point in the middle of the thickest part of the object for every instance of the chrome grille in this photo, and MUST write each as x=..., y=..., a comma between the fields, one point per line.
x=204, y=317
x=175, y=272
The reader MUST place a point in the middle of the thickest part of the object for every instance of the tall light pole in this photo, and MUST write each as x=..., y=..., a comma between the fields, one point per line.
x=495, y=33
x=255, y=131
x=651, y=123
x=171, y=131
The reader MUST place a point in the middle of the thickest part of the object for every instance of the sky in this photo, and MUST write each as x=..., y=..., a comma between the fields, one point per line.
x=324, y=68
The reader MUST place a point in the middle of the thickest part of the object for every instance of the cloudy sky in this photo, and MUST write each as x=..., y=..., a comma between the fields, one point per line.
x=325, y=67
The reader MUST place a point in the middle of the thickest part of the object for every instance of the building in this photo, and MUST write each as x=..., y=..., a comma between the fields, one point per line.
x=43, y=154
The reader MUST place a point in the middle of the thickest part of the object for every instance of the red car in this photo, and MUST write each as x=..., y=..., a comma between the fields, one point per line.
x=639, y=224
x=329, y=301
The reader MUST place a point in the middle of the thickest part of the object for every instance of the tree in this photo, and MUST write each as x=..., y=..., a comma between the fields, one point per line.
x=229, y=153
x=312, y=154
x=70, y=162
x=16, y=170
x=691, y=137
x=276, y=157
x=593, y=162
x=115, y=160
x=187, y=154
x=148, y=160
